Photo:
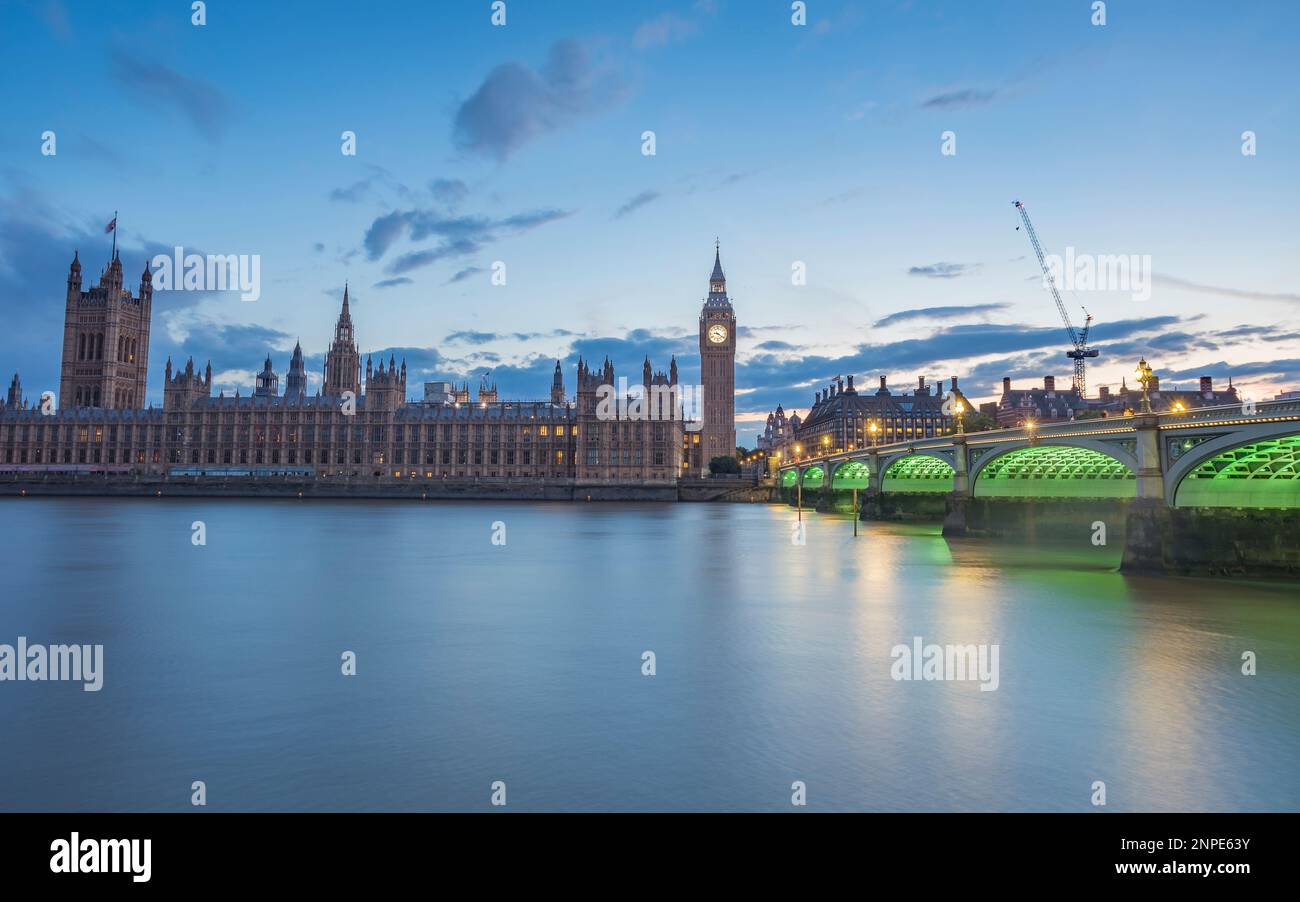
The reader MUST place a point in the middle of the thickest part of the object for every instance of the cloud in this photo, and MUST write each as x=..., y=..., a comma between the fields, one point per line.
x=667, y=28
x=449, y=191
x=943, y=270
x=516, y=105
x=465, y=273
x=197, y=100
x=471, y=338
x=959, y=100
x=1228, y=292
x=460, y=235
x=636, y=203
x=927, y=313
x=393, y=283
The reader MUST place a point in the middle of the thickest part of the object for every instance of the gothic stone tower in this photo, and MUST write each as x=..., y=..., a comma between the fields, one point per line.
x=717, y=372
x=295, y=384
x=105, y=340
x=343, y=360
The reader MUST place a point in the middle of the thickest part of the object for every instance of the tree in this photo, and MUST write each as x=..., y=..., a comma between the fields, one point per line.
x=982, y=422
x=741, y=452
x=723, y=465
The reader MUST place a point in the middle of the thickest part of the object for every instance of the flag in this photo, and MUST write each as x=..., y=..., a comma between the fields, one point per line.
x=111, y=227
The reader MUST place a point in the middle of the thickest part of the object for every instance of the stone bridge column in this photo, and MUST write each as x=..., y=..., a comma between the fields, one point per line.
x=869, y=501
x=825, y=493
x=1149, y=522
x=956, y=504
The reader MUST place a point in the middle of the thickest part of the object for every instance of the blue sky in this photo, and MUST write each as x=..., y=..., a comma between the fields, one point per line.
x=522, y=144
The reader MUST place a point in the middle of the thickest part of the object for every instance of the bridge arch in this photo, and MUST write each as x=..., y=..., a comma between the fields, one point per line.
x=851, y=474
x=813, y=477
x=1203, y=448
x=1260, y=473
x=1057, y=470
x=918, y=473
x=789, y=478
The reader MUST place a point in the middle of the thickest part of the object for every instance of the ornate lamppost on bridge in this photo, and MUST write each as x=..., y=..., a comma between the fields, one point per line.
x=874, y=429
x=959, y=408
x=1145, y=375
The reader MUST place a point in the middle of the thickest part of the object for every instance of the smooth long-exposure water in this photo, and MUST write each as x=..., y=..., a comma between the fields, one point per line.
x=523, y=663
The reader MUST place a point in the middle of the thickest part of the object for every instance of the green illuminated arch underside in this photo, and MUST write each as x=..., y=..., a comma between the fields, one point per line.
x=1262, y=474
x=852, y=475
x=918, y=473
x=813, y=477
x=1055, y=472
x=789, y=478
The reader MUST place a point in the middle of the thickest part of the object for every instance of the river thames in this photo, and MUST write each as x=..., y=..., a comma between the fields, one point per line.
x=522, y=662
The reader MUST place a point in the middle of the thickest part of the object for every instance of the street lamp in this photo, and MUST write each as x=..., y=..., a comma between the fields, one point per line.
x=1179, y=407
x=1146, y=376
x=960, y=408
x=874, y=429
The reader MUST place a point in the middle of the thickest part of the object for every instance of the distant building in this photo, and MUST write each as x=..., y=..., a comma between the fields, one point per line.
x=1048, y=404
x=778, y=430
x=841, y=417
x=353, y=427
x=1042, y=405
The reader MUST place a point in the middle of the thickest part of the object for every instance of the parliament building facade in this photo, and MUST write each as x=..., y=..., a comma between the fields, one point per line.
x=361, y=422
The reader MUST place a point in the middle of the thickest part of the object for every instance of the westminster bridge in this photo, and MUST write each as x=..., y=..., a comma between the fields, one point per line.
x=1212, y=488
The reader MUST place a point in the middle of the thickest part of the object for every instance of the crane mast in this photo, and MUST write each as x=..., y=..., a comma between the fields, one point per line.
x=1079, y=351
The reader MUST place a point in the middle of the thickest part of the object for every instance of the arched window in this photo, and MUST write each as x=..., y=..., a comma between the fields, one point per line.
x=96, y=401
x=81, y=347
x=99, y=346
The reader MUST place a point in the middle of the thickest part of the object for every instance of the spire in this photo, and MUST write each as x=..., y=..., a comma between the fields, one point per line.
x=345, y=298
x=717, y=282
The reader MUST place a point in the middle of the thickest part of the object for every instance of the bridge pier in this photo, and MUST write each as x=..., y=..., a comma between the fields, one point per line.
x=956, y=505
x=1148, y=522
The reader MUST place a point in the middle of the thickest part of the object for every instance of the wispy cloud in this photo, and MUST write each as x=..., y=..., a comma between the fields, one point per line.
x=1228, y=292
x=636, y=203
x=930, y=313
x=460, y=236
x=959, y=100
x=943, y=270
x=197, y=100
x=464, y=274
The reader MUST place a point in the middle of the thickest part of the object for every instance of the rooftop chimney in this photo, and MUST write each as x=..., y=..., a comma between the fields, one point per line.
x=882, y=383
x=851, y=388
x=920, y=385
x=1207, y=386
x=1103, y=393
x=954, y=383
x=1006, y=384
x=1049, y=383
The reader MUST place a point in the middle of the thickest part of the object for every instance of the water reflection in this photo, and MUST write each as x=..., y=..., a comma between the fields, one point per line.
x=523, y=662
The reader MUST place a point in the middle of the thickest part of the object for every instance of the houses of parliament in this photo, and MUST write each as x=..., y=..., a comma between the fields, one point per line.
x=360, y=423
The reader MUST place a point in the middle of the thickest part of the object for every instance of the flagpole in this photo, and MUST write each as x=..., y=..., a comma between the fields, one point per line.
x=114, y=235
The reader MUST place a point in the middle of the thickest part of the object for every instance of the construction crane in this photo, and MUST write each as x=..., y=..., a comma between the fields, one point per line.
x=1079, y=339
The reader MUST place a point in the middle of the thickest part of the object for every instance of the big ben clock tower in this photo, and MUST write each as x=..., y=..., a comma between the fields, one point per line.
x=717, y=372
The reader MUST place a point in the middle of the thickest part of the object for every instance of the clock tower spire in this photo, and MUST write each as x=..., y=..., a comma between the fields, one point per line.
x=717, y=374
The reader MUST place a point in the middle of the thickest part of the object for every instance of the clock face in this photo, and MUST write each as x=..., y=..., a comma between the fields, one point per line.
x=717, y=334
